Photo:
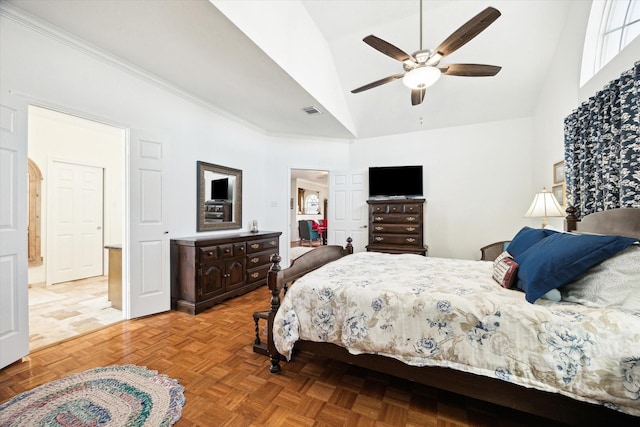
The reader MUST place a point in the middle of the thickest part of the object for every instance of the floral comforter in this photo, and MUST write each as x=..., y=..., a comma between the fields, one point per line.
x=429, y=311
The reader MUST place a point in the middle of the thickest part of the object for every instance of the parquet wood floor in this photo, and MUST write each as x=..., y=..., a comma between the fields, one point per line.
x=227, y=384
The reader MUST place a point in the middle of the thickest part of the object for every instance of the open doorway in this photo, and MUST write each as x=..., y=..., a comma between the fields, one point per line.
x=309, y=200
x=81, y=200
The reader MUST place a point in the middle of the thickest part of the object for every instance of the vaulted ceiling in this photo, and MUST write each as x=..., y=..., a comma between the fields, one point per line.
x=246, y=60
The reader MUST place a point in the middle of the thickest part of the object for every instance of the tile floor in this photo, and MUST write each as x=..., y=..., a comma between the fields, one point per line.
x=65, y=310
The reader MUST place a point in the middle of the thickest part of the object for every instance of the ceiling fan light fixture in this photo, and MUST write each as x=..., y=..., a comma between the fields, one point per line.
x=421, y=77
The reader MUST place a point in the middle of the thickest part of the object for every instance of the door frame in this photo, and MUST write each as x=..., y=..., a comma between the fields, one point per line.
x=126, y=179
x=292, y=205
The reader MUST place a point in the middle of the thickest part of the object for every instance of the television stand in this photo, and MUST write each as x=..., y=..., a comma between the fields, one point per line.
x=396, y=226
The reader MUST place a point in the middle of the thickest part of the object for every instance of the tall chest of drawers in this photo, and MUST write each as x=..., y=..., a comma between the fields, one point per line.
x=206, y=270
x=397, y=226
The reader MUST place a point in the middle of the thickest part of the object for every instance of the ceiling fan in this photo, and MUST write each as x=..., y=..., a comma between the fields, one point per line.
x=422, y=69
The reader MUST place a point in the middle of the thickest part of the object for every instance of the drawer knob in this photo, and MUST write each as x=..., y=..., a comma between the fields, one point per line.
x=378, y=218
x=226, y=251
x=210, y=253
x=378, y=228
x=255, y=246
x=379, y=239
x=410, y=229
x=411, y=218
x=254, y=275
x=410, y=239
x=255, y=260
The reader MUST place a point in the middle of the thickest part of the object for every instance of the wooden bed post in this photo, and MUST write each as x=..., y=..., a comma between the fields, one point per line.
x=571, y=220
x=278, y=281
x=272, y=282
x=349, y=246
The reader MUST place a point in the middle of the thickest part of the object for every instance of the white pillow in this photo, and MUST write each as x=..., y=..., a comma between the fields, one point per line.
x=633, y=302
x=608, y=284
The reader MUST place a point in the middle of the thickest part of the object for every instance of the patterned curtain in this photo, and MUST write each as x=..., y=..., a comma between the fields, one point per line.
x=602, y=148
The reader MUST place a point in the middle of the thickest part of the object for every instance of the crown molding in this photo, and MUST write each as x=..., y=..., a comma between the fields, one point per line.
x=57, y=34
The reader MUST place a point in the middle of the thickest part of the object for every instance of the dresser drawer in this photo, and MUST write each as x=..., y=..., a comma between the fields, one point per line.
x=396, y=218
x=212, y=253
x=396, y=239
x=256, y=274
x=413, y=208
x=382, y=228
x=261, y=245
x=396, y=208
x=225, y=251
x=239, y=249
x=256, y=260
x=208, y=253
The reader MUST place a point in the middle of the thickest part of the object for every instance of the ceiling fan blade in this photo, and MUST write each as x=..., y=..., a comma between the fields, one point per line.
x=378, y=83
x=388, y=49
x=417, y=96
x=468, y=31
x=469, y=70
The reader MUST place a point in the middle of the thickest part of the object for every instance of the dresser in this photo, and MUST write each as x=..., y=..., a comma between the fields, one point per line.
x=397, y=226
x=206, y=270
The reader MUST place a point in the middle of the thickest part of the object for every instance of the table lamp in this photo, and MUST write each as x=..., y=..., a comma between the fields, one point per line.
x=544, y=205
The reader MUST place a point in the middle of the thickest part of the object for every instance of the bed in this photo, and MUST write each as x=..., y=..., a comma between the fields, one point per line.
x=450, y=324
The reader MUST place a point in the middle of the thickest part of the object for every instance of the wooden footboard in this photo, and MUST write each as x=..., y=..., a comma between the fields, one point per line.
x=279, y=280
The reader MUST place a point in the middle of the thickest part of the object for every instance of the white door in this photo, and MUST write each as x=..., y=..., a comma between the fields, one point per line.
x=147, y=250
x=14, y=317
x=348, y=209
x=75, y=245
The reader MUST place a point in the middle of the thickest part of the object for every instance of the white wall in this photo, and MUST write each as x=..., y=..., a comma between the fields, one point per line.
x=477, y=180
x=51, y=71
x=59, y=137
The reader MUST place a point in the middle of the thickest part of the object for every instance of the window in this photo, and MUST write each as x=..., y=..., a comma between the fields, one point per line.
x=312, y=204
x=613, y=24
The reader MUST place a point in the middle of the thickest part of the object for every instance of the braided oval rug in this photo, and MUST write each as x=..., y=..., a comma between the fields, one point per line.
x=119, y=395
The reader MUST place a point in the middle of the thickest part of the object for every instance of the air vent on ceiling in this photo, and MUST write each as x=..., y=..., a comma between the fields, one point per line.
x=311, y=110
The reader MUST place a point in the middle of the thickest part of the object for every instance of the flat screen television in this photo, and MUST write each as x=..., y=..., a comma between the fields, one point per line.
x=220, y=189
x=395, y=181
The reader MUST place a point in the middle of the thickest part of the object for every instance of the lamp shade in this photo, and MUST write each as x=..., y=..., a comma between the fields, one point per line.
x=544, y=204
x=421, y=77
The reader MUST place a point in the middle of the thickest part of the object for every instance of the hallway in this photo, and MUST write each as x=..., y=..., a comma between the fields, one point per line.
x=66, y=310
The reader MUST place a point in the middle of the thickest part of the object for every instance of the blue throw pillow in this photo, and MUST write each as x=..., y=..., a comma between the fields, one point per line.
x=561, y=258
x=527, y=237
